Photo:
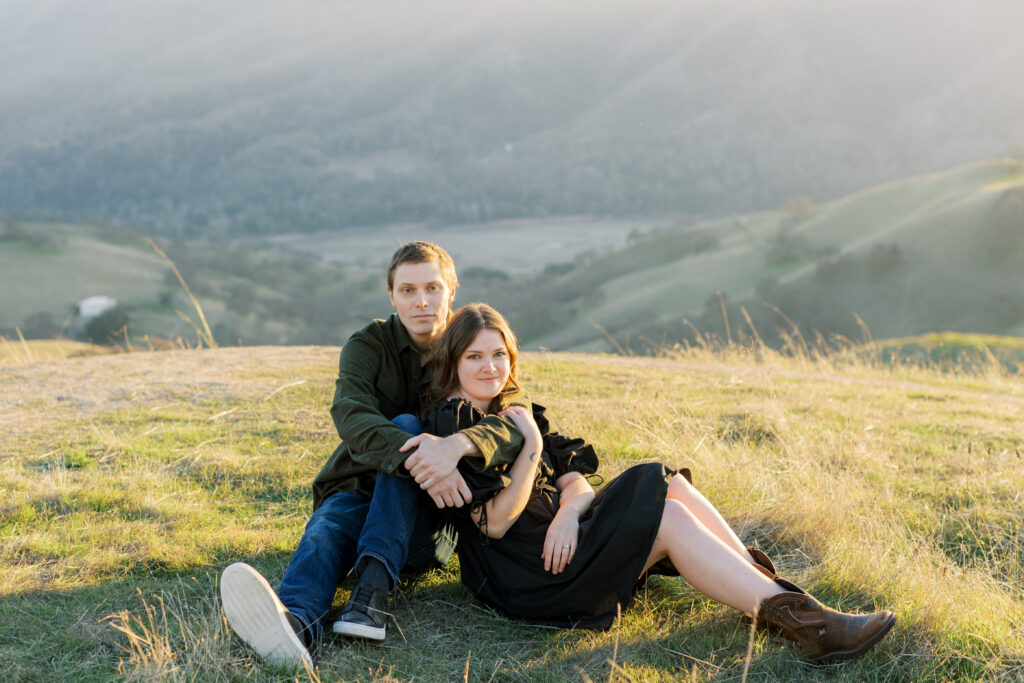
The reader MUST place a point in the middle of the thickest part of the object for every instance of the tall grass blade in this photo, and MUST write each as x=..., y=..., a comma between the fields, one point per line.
x=207, y=335
x=725, y=317
x=618, y=347
x=24, y=345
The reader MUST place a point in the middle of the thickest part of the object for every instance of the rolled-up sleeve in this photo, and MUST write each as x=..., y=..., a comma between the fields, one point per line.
x=372, y=438
x=497, y=437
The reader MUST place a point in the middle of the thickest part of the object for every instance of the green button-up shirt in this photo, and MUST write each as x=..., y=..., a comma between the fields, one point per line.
x=379, y=377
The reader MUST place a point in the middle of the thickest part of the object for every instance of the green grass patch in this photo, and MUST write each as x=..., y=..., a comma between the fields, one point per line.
x=869, y=487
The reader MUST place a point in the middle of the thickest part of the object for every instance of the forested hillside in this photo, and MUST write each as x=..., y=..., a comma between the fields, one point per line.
x=251, y=117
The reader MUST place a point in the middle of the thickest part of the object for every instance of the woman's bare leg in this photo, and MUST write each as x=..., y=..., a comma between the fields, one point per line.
x=683, y=491
x=714, y=568
x=711, y=565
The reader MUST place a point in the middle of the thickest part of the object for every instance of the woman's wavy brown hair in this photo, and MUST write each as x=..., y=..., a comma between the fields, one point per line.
x=462, y=329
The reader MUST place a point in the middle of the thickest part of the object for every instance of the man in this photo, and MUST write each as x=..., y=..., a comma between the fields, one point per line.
x=363, y=517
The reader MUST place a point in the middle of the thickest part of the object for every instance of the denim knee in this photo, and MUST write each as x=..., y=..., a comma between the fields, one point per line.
x=409, y=423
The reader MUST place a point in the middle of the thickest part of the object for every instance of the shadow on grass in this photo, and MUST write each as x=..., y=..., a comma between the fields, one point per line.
x=66, y=634
x=438, y=632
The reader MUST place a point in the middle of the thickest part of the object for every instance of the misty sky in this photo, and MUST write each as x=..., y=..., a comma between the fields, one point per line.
x=126, y=50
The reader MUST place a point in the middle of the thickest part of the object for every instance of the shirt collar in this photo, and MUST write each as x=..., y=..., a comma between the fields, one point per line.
x=402, y=339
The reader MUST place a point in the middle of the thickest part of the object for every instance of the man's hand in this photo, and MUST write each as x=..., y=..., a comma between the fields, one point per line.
x=450, y=491
x=435, y=458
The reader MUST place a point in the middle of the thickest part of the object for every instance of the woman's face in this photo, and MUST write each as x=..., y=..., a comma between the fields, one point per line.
x=484, y=368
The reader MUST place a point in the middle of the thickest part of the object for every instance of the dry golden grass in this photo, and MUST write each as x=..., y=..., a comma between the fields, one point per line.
x=132, y=480
x=17, y=351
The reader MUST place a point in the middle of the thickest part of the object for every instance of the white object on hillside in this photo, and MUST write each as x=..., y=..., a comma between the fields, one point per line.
x=95, y=306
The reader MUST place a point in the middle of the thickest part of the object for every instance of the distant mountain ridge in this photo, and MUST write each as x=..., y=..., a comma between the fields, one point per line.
x=245, y=117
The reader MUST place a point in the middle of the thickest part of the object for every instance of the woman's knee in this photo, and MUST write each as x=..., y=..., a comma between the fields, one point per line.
x=676, y=522
x=676, y=515
x=680, y=489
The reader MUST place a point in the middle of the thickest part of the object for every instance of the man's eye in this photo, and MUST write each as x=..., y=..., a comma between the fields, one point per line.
x=433, y=288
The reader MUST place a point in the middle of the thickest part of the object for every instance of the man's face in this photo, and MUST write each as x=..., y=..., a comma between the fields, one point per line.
x=422, y=299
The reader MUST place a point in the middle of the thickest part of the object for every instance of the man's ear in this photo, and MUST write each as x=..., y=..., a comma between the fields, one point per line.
x=391, y=298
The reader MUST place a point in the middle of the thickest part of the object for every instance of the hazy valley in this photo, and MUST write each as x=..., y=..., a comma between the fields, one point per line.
x=937, y=253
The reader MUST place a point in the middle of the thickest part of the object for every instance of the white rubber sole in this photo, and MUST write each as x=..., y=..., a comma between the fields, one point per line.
x=257, y=616
x=359, y=630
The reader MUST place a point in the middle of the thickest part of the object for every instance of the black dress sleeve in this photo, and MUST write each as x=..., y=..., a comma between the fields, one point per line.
x=566, y=454
x=451, y=416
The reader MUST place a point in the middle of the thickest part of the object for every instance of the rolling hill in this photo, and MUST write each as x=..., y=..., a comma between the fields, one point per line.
x=939, y=252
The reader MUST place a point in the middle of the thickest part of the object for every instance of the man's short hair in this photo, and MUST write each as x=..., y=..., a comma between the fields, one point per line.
x=423, y=252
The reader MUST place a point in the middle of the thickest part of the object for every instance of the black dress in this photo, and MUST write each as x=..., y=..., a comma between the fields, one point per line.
x=615, y=536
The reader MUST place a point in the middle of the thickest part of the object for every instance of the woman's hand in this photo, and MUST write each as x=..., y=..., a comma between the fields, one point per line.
x=561, y=540
x=523, y=420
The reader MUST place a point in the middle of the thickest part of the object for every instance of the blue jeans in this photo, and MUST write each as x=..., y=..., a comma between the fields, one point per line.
x=399, y=526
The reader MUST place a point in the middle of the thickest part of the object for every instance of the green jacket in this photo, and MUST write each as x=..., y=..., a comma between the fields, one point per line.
x=379, y=377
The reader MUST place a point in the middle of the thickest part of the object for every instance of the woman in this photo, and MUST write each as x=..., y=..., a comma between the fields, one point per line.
x=539, y=545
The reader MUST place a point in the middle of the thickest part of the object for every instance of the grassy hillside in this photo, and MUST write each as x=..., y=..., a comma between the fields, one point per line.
x=248, y=295
x=955, y=351
x=939, y=252
x=131, y=480
x=283, y=290
x=929, y=254
x=48, y=268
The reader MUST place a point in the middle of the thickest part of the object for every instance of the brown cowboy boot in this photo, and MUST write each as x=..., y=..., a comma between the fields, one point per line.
x=762, y=562
x=789, y=586
x=822, y=634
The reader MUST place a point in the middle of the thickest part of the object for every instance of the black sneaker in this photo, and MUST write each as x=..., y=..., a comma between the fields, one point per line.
x=365, y=614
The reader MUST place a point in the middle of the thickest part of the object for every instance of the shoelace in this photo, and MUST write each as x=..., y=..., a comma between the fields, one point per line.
x=362, y=600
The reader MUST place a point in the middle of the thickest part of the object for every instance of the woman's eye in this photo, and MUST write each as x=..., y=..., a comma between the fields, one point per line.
x=499, y=354
x=473, y=356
